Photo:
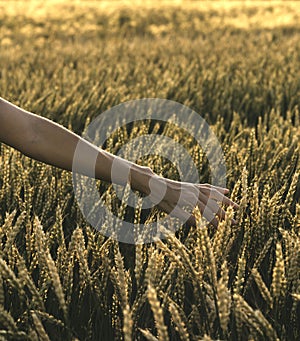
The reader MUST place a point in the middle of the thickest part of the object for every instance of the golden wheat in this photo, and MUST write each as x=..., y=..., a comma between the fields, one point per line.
x=63, y=280
x=158, y=313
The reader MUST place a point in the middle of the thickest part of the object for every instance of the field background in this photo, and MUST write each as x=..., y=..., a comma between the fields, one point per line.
x=238, y=65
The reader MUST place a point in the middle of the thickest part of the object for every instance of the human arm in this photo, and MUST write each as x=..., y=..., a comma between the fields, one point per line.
x=46, y=141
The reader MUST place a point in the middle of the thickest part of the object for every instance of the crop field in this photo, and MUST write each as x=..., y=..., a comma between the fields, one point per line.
x=237, y=64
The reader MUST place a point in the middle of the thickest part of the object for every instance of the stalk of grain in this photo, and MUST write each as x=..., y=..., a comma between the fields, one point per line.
x=138, y=303
x=276, y=207
x=254, y=203
x=244, y=195
x=291, y=244
x=291, y=191
x=221, y=236
x=208, y=251
x=81, y=256
x=295, y=305
x=184, y=254
x=180, y=325
x=7, y=320
x=236, y=189
x=136, y=221
x=180, y=288
x=57, y=285
x=279, y=156
x=39, y=327
x=91, y=244
x=151, y=275
x=165, y=295
x=68, y=277
x=264, y=214
x=117, y=318
x=259, y=260
x=158, y=314
x=127, y=324
x=122, y=210
x=7, y=226
x=26, y=279
x=5, y=191
x=105, y=269
x=278, y=275
x=173, y=257
x=121, y=277
x=11, y=278
x=13, y=232
x=40, y=243
x=199, y=259
x=195, y=318
x=240, y=276
x=269, y=330
x=237, y=314
x=246, y=314
x=48, y=317
x=148, y=335
x=263, y=253
x=139, y=259
x=223, y=296
x=28, y=191
x=262, y=287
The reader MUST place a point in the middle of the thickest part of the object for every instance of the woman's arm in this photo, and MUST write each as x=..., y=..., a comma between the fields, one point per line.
x=49, y=142
x=46, y=141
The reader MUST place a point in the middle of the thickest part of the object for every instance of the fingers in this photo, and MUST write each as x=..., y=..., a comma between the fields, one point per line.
x=190, y=220
x=218, y=188
x=229, y=202
x=215, y=208
x=208, y=205
x=208, y=214
x=211, y=212
x=212, y=193
x=205, y=196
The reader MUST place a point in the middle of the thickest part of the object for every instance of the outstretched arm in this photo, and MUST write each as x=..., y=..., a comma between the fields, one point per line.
x=44, y=140
x=51, y=143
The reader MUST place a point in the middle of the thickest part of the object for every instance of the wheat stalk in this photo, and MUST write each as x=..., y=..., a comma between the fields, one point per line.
x=262, y=287
x=39, y=327
x=127, y=327
x=177, y=318
x=158, y=314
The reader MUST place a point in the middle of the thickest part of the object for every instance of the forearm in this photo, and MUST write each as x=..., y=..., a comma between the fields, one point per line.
x=56, y=146
x=53, y=144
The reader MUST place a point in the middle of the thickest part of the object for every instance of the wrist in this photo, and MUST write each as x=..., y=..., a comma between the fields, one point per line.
x=140, y=177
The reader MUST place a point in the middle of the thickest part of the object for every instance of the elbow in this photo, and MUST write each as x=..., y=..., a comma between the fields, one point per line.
x=19, y=129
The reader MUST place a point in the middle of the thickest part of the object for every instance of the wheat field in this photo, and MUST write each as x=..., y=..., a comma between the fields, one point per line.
x=238, y=65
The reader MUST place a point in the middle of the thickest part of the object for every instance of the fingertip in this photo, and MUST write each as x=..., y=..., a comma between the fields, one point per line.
x=232, y=204
x=236, y=205
x=191, y=221
x=223, y=189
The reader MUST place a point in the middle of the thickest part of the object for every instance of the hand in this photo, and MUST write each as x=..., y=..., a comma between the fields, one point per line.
x=180, y=198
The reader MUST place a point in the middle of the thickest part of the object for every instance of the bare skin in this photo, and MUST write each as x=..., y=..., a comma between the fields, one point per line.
x=46, y=141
